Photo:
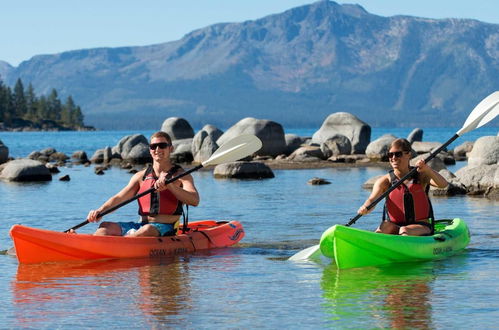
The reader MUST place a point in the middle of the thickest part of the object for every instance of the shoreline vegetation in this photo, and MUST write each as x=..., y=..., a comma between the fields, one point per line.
x=22, y=110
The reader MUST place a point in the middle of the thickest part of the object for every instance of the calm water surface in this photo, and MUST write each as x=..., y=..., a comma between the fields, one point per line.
x=251, y=285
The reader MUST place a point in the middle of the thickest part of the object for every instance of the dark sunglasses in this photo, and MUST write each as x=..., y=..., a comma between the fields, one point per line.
x=161, y=145
x=397, y=154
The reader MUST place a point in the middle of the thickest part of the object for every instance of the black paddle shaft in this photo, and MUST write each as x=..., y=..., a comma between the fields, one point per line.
x=405, y=177
x=111, y=209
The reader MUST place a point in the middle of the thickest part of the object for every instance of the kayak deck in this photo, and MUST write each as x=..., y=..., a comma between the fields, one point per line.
x=351, y=247
x=34, y=245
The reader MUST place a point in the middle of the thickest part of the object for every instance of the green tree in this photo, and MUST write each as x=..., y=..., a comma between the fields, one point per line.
x=77, y=117
x=31, y=103
x=19, y=100
x=54, y=106
x=42, y=109
x=67, y=110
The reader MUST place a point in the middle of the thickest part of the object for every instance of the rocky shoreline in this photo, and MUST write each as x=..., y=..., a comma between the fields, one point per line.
x=342, y=141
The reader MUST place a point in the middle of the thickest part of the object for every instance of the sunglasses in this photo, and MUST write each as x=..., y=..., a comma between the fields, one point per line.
x=161, y=145
x=397, y=154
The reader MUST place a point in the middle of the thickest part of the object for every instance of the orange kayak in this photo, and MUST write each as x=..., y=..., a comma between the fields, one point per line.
x=34, y=245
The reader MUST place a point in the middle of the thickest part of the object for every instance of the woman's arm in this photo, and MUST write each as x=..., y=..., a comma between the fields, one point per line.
x=380, y=186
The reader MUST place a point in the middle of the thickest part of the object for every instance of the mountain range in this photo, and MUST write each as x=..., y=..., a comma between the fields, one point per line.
x=295, y=68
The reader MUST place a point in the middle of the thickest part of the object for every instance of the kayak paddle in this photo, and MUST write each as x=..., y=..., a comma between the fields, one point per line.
x=483, y=113
x=235, y=149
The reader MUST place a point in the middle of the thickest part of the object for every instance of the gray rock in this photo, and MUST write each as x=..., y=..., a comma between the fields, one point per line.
x=4, y=152
x=336, y=145
x=212, y=131
x=178, y=128
x=378, y=149
x=48, y=151
x=436, y=163
x=207, y=148
x=480, y=180
x=425, y=147
x=207, y=131
x=79, y=157
x=182, y=151
x=415, y=136
x=243, y=170
x=318, y=181
x=307, y=154
x=269, y=132
x=293, y=142
x=461, y=151
x=25, y=170
x=357, y=131
x=132, y=148
x=98, y=156
x=485, y=151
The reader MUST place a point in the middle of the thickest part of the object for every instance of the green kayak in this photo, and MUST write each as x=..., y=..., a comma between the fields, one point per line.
x=351, y=247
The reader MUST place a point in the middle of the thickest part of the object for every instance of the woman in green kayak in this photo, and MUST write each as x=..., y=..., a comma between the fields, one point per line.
x=408, y=209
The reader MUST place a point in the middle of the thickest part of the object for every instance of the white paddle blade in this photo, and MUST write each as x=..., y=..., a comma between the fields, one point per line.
x=239, y=147
x=308, y=253
x=483, y=113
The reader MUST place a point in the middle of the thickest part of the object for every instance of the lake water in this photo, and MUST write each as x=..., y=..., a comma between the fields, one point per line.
x=252, y=285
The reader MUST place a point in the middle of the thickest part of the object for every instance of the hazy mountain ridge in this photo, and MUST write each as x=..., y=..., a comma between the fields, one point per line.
x=295, y=67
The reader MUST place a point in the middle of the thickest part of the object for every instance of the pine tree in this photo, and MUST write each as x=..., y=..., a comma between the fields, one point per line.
x=54, y=106
x=31, y=104
x=19, y=100
x=77, y=117
x=67, y=110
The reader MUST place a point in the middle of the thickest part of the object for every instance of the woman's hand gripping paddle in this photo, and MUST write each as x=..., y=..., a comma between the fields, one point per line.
x=484, y=112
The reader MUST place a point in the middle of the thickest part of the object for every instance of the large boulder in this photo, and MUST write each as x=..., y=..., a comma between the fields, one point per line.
x=336, y=145
x=177, y=128
x=4, y=152
x=293, y=142
x=207, y=131
x=480, y=180
x=243, y=170
x=462, y=151
x=415, y=135
x=485, y=151
x=207, y=148
x=132, y=148
x=307, y=154
x=437, y=163
x=378, y=149
x=269, y=132
x=344, y=123
x=425, y=147
x=25, y=170
x=182, y=151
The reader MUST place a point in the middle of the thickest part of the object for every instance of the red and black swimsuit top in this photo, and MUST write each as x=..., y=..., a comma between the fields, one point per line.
x=155, y=203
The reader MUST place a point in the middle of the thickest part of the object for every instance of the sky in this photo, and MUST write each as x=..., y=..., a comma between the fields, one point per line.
x=34, y=27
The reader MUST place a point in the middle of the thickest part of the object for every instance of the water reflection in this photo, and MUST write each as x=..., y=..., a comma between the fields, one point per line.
x=153, y=289
x=395, y=296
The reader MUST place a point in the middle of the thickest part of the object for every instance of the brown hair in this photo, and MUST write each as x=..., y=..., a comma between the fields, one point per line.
x=402, y=144
x=161, y=134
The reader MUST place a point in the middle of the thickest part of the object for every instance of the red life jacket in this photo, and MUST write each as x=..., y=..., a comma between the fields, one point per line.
x=407, y=204
x=155, y=203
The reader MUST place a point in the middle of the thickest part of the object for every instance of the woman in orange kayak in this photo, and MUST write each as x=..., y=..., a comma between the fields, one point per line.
x=160, y=211
x=407, y=207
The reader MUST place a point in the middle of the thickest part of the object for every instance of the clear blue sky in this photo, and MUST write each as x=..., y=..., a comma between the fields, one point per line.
x=33, y=27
